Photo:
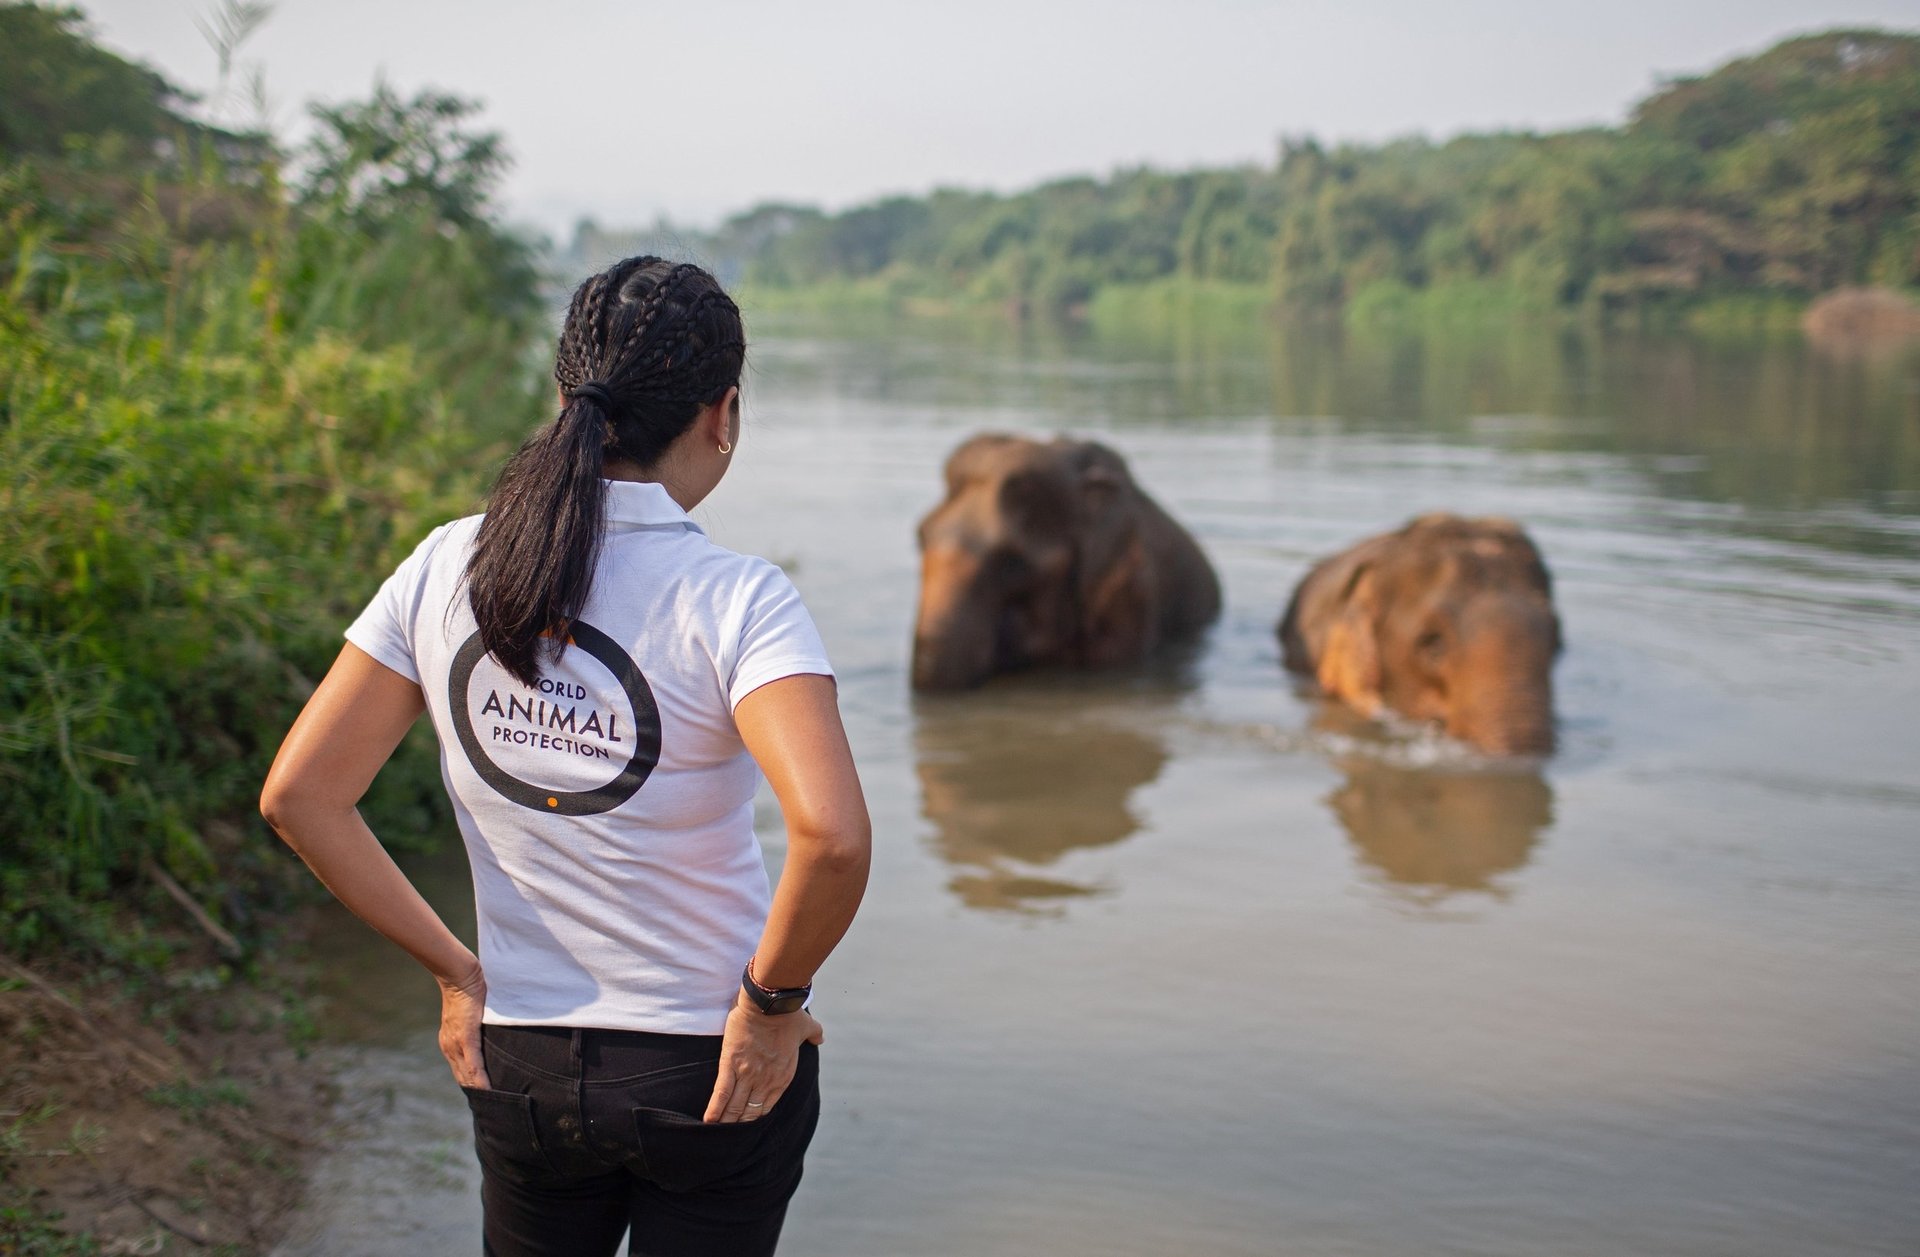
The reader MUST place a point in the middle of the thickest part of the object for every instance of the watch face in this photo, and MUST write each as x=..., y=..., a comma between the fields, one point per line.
x=787, y=1002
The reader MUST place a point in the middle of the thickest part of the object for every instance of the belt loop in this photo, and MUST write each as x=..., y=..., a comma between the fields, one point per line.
x=578, y=1035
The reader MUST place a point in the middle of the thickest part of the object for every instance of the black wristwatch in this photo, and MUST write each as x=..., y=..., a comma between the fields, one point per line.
x=772, y=1000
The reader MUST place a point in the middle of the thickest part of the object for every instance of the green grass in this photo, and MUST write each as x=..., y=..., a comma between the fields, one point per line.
x=199, y=1097
x=1746, y=314
x=856, y=298
x=1183, y=305
x=1453, y=305
x=29, y=1233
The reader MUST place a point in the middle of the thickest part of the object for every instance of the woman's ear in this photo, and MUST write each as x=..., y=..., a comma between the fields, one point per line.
x=726, y=418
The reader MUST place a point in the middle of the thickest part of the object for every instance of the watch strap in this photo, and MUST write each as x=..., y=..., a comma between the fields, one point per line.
x=774, y=1001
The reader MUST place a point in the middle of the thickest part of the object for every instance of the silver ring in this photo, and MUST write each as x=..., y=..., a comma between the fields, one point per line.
x=756, y=1104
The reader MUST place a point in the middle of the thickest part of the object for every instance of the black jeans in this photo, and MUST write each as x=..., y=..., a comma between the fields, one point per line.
x=588, y=1134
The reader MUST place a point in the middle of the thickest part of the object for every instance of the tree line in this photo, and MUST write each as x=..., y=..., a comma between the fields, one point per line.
x=1776, y=176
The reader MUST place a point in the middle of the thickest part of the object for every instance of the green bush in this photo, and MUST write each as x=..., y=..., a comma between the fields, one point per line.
x=227, y=409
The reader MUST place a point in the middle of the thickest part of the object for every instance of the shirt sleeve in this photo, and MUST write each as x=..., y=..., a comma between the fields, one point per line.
x=385, y=629
x=777, y=637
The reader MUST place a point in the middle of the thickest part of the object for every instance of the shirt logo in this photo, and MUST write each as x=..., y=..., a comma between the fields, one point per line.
x=562, y=731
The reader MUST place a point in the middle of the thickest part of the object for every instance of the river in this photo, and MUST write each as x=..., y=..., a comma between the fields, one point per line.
x=1182, y=961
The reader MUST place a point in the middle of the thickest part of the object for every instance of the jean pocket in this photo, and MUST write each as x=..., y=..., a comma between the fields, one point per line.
x=684, y=1154
x=504, y=1134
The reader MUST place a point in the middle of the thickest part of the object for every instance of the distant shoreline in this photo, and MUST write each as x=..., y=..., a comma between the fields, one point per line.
x=1173, y=304
x=1727, y=202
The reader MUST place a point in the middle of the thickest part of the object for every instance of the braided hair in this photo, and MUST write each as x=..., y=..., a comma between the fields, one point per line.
x=646, y=346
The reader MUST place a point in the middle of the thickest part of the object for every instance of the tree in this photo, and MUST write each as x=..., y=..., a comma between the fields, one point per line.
x=57, y=86
x=386, y=157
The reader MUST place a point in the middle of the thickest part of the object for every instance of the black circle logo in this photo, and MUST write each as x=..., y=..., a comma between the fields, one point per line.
x=646, y=730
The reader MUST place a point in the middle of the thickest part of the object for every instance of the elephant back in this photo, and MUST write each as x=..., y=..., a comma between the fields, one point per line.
x=1181, y=590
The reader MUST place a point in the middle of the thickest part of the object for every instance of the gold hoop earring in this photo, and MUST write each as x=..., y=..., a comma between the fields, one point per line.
x=726, y=447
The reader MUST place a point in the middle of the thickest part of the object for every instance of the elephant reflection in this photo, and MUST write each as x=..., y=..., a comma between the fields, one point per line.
x=1438, y=832
x=1009, y=790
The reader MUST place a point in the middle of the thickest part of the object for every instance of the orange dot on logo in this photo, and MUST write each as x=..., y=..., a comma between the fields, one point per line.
x=552, y=802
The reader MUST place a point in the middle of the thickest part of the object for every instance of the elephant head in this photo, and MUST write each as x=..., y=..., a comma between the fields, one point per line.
x=1449, y=620
x=1049, y=553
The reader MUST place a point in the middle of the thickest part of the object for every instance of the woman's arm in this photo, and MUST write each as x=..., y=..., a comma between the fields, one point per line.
x=347, y=731
x=792, y=728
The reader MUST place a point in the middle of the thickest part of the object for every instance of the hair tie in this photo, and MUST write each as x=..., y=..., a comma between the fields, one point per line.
x=595, y=392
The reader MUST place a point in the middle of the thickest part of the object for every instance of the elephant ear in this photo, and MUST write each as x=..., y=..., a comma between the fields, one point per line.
x=1347, y=664
x=1113, y=577
x=1329, y=629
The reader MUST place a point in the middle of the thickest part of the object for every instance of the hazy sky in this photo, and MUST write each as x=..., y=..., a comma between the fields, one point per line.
x=626, y=109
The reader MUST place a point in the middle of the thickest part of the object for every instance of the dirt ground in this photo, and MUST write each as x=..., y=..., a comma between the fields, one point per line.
x=178, y=1118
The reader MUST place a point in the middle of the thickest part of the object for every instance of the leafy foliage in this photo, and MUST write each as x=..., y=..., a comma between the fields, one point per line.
x=227, y=407
x=1780, y=175
x=1052, y=247
x=385, y=157
x=57, y=87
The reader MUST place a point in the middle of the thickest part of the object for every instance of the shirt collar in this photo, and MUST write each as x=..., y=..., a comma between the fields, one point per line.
x=645, y=504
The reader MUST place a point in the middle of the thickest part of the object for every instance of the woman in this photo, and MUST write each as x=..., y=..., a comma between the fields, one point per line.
x=632, y=1038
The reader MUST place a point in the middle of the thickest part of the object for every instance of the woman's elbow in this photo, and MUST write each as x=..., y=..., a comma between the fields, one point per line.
x=286, y=802
x=842, y=843
x=276, y=805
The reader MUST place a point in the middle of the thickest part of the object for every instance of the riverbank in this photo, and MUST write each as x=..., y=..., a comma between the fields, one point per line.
x=1181, y=307
x=1183, y=302
x=171, y=1112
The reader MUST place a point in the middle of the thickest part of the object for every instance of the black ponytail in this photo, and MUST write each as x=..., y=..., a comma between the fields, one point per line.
x=646, y=345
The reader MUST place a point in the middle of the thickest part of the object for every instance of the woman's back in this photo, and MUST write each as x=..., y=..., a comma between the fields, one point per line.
x=608, y=808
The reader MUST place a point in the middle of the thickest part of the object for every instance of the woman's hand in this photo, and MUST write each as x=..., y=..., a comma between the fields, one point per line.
x=355, y=718
x=758, y=1055
x=461, y=1004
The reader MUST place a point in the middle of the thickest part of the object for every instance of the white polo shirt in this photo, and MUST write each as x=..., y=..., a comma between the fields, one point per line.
x=608, y=812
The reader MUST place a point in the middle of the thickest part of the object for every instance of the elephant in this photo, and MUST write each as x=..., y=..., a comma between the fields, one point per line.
x=1448, y=620
x=1048, y=553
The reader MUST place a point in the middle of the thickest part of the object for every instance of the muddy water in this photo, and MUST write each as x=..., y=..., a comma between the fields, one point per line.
x=1183, y=961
